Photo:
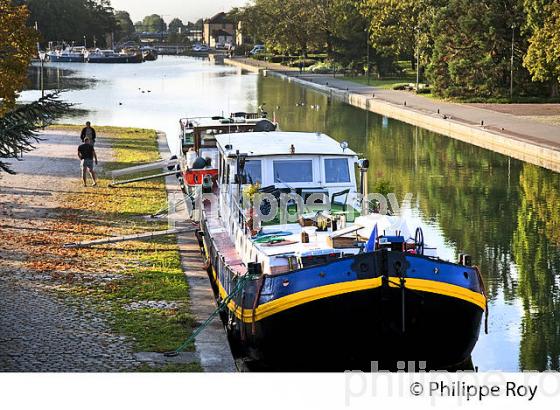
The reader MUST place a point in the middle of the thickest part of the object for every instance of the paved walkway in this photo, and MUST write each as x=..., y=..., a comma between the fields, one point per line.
x=211, y=344
x=42, y=330
x=265, y=64
x=488, y=117
x=511, y=125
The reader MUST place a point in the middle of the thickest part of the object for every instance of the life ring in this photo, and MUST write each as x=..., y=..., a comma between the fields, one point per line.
x=419, y=241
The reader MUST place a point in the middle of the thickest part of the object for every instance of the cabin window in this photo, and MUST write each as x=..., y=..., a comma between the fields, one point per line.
x=253, y=171
x=293, y=171
x=188, y=138
x=336, y=170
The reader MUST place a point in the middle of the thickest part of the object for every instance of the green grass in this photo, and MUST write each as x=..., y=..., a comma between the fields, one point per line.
x=408, y=76
x=171, y=368
x=152, y=270
x=507, y=100
x=386, y=83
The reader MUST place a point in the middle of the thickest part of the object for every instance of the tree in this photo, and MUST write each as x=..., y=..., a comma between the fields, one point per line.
x=472, y=48
x=252, y=24
x=285, y=25
x=18, y=128
x=72, y=20
x=154, y=24
x=18, y=125
x=17, y=45
x=543, y=55
x=125, y=27
x=176, y=26
x=395, y=25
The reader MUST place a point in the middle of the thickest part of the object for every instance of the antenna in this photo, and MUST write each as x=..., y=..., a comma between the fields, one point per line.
x=229, y=126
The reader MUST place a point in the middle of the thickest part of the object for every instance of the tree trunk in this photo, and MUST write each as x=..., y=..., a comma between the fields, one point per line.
x=329, y=46
x=553, y=87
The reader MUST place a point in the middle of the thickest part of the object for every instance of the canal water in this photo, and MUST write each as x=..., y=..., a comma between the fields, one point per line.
x=503, y=212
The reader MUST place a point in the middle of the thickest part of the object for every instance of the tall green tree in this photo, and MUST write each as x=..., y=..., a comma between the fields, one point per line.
x=72, y=20
x=124, y=25
x=18, y=125
x=472, y=48
x=154, y=24
x=285, y=25
x=176, y=26
x=17, y=45
x=543, y=55
x=397, y=26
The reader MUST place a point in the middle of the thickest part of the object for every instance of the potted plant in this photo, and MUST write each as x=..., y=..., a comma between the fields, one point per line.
x=249, y=193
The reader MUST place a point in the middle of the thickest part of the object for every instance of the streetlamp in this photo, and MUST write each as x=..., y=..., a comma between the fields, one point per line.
x=511, y=62
x=367, y=55
x=85, y=42
x=42, y=56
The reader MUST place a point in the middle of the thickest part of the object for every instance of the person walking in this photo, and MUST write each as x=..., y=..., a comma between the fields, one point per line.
x=86, y=153
x=88, y=131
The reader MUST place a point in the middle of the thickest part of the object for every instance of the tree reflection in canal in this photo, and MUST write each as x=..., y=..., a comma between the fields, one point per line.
x=536, y=253
x=503, y=212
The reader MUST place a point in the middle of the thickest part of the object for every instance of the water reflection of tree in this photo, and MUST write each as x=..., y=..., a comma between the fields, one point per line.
x=501, y=211
x=537, y=255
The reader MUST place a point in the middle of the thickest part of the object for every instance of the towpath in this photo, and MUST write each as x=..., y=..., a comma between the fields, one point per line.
x=42, y=330
x=530, y=132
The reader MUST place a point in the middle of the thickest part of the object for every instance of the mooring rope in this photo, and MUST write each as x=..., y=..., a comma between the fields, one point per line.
x=239, y=286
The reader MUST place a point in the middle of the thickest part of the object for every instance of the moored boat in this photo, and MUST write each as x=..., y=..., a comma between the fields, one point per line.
x=68, y=55
x=197, y=141
x=324, y=284
x=111, y=57
x=149, y=53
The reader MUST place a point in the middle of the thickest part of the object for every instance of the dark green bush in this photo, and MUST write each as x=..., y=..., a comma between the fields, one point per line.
x=306, y=62
x=401, y=86
x=424, y=90
x=277, y=59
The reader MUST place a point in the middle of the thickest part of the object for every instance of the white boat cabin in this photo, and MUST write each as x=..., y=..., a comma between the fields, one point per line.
x=293, y=166
x=283, y=163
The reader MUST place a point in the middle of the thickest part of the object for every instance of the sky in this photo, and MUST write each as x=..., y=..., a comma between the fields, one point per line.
x=186, y=10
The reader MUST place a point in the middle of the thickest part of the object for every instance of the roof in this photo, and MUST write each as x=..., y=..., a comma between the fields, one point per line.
x=219, y=18
x=279, y=143
x=218, y=123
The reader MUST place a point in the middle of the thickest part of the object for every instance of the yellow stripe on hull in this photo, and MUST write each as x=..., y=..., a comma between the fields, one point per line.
x=442, y=288
x=321, y=292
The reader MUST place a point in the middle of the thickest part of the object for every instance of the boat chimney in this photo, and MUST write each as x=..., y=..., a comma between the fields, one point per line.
x=363, y=164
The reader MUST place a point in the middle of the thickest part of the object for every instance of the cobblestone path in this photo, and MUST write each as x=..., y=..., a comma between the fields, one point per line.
x=42, y=330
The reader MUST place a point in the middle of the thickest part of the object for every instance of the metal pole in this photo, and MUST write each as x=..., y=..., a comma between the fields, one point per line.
x=85, y=42
x=511, y=63
x=367, y=46
x=417, y=67
x=42, y=76
x=417, y=61
x=42, y=60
